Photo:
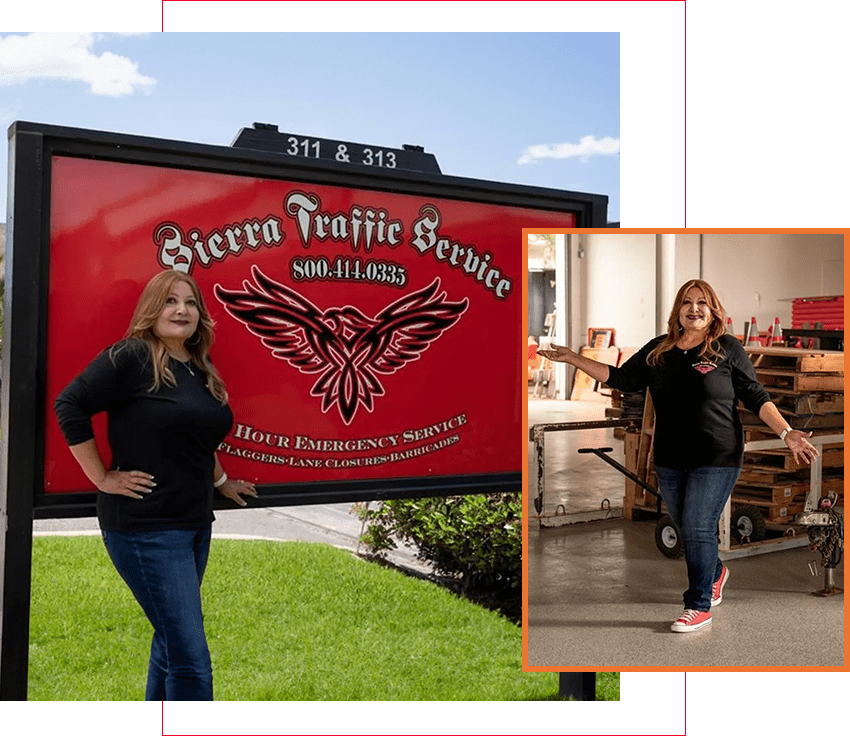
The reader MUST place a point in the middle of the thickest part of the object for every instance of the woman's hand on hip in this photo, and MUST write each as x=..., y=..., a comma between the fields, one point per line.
x=558, y=354
x=802, y=450
x=129, y=483
x=235, y=489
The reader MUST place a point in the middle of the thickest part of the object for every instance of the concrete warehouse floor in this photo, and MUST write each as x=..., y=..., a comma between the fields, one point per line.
x=601, y=593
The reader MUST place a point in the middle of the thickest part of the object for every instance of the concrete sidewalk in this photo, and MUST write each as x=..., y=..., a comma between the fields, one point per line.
x=333, y=524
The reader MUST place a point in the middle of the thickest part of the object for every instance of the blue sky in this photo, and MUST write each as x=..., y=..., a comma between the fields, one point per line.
x=540, y=109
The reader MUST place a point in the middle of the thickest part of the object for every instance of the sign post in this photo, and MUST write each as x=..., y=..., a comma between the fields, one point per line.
x=367, y=313
x=22, y=377
x=577, y=685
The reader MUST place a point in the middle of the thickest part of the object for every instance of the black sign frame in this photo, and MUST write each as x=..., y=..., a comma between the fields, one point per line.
x=29, y=207
x=22, y=497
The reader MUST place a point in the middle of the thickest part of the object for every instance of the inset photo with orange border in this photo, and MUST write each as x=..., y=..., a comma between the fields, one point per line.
x=684, y=478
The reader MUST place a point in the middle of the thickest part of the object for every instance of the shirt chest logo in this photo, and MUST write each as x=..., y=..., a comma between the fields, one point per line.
x=704, y=366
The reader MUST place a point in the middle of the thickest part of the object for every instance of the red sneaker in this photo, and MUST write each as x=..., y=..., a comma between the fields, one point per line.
x=691, y=620
x=717, y=588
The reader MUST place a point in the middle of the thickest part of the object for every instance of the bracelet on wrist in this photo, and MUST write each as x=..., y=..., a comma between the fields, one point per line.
x=221, y=481
x=784, y=432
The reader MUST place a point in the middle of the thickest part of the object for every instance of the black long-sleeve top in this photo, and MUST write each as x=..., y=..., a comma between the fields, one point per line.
x=171, y=433
x=696, y=414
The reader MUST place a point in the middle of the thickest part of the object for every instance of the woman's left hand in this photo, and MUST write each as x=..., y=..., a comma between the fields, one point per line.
x=801, y=448
x=235, y=489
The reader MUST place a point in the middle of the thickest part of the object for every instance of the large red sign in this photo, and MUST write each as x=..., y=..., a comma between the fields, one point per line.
x=361, y=334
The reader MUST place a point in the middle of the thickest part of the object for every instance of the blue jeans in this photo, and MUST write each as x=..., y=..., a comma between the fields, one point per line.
x=164, y=571
x=695, y=499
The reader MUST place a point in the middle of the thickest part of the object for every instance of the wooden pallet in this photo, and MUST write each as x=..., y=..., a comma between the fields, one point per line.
x=798, y=359
x=797, y=487
x=806, y=422
x=638, y=458
x=807, y=387
x=778, y=501
x=775, y=513
x=769, y=493
x=800, y=382
x=751, y=434
x=755, y=473
x=800, y=404
x=783, y=459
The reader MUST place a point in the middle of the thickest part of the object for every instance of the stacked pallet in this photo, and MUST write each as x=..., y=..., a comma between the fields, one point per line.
x=637, y=449
x=625, y=406
x=808, y=389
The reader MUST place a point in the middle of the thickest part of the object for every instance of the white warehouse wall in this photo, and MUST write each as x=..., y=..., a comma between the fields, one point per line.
x=619, y=286
x=687, y=259
x=615, y=279
x=752, y=273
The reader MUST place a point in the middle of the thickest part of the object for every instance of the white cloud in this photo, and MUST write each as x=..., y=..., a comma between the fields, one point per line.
x=588, y=146
x=69, y=57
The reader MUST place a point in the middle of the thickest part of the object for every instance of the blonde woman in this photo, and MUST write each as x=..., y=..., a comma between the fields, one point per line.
x=696, y=374
x=167, y=413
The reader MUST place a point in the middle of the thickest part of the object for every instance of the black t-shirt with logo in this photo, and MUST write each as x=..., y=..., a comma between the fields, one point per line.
x=171, y=433
x=696, y=399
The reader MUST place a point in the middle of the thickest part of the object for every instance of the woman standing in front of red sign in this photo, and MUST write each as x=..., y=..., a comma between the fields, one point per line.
x=167, y=412
x=696, y=375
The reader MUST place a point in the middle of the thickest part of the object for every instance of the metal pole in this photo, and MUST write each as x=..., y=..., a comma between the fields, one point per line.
x=539, y=439
x=562, y=310
x=578, y=685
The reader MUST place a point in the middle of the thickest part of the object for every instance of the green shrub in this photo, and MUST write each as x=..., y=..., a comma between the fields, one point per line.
x=475, y=540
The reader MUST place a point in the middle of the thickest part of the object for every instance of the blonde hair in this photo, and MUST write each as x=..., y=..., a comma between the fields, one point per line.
x=711, y=346
x=147, y=312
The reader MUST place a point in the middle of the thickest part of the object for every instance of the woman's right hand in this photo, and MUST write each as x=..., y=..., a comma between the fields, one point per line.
x=558, y=354
x=129, y=483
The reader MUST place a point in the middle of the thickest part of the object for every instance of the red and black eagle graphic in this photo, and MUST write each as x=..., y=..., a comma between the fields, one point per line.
x=348, y=350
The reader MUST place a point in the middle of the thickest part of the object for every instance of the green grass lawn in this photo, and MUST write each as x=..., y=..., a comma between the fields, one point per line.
x=285, y=621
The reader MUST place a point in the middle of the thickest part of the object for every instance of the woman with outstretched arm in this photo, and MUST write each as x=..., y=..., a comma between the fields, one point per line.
x=696, y=374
